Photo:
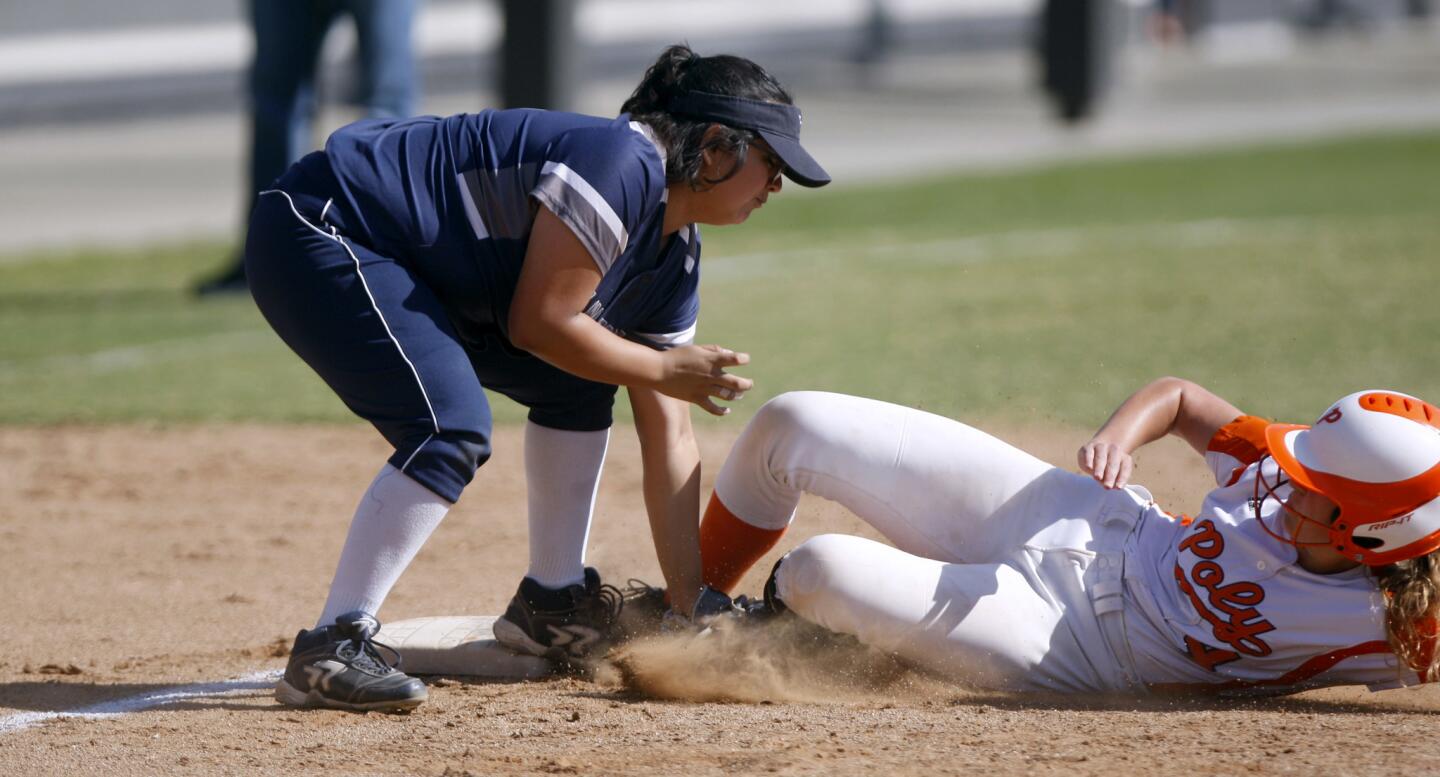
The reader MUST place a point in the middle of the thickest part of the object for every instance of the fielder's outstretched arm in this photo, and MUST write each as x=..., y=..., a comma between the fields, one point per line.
x=1165, y=406
x=671, y=464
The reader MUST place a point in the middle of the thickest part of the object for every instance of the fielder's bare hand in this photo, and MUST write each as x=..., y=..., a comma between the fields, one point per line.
x=696, y=373
x=1107, y=462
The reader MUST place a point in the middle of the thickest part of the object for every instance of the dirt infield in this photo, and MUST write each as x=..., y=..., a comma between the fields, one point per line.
x=153, y=575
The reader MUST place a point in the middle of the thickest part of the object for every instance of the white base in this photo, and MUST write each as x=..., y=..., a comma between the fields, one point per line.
x=458, y=645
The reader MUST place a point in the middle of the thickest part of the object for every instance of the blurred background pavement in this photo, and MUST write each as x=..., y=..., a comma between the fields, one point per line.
x=122, y=123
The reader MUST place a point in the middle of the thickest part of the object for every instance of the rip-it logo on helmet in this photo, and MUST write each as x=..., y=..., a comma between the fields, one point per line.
x=1376, y=455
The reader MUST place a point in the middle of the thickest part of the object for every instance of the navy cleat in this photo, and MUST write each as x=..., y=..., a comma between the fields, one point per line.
x=341, y=667
x=564, y=625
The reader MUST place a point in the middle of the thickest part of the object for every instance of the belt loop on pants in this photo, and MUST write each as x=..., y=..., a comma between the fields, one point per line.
x=1119, y=517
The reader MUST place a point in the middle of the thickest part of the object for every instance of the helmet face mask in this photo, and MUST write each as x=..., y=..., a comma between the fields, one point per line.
x=1376, y=455
x=1304, y=530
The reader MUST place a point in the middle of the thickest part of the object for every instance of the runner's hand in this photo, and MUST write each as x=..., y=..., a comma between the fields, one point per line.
x=1107, y=462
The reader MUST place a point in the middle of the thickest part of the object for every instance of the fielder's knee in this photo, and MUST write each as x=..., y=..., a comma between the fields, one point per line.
x=444, y=462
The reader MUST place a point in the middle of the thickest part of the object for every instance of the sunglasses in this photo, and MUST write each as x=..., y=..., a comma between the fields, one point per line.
x=772, y=162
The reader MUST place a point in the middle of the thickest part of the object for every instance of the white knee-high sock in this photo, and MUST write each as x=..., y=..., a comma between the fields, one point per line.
x=394, y=519
x=562, y=474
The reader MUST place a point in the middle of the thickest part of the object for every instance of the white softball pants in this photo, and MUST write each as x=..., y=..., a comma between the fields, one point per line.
x=999, y=562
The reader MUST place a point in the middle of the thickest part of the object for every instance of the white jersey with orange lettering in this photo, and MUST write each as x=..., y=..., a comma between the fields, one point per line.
x=1006, y=572
x=1219, y=600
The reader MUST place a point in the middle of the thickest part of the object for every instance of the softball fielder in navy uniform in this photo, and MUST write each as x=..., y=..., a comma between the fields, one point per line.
x=1311, y=563
x=548, y=256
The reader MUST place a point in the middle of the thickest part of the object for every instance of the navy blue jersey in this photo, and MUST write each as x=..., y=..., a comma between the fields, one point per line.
x=455, y=198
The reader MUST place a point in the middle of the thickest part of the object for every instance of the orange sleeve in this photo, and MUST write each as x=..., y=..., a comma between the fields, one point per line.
x=1243, y=438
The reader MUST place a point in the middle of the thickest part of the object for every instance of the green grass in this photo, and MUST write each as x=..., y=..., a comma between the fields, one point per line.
x=1281, y=277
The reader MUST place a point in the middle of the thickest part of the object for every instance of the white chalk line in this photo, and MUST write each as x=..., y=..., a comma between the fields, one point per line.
x=969, y=249
x=141, y=702
x=133, y=357
x=988, y=247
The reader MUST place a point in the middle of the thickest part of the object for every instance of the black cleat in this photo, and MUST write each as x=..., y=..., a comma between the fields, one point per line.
x=341, y=667
x=230, y=280
x=644, y=610
x=563, y=625
x=769, y=599
x=647, y=611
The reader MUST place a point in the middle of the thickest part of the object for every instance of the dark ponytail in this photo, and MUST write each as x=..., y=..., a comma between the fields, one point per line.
x=680, y=70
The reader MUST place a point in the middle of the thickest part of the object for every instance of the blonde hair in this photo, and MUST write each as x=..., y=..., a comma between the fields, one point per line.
x=1412, y=611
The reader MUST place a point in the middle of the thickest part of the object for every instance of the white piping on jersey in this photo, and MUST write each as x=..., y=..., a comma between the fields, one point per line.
x=688, y=232
x=326, y=209
x=333, y=235
x=602, y=208
x=674, y=338
x=472, y=213
x=644, y=129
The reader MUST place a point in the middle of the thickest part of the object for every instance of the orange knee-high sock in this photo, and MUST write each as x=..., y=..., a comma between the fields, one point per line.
x=730, y=546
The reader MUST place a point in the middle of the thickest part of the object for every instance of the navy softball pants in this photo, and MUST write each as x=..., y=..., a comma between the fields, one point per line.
x=382, y=339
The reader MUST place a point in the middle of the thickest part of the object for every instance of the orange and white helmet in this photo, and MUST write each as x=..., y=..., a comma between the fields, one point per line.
x=1376, y=455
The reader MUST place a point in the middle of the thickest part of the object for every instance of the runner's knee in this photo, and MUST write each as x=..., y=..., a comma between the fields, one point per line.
x=819, y=565
x=791, y=412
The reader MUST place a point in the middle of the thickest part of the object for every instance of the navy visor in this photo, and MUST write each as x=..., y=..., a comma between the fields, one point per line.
x=777, y=123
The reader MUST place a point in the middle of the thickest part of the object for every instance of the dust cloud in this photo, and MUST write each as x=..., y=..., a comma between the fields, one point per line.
x=779, y=660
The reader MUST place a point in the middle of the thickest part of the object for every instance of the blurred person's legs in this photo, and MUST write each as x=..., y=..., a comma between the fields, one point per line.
x=387, y=55
x=288, y=36
x=1326, y=15
x=1167, y=22
x=288, y=40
